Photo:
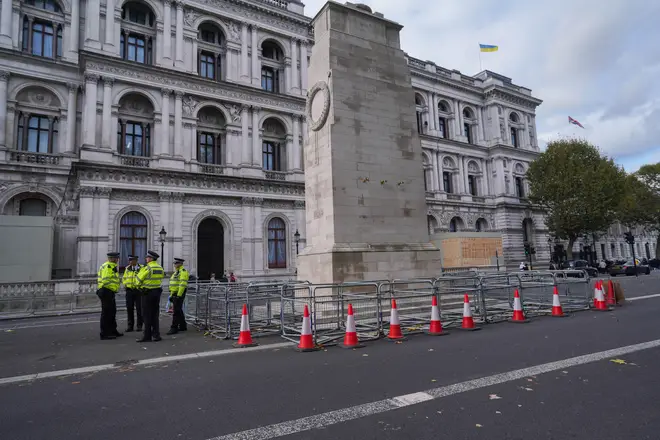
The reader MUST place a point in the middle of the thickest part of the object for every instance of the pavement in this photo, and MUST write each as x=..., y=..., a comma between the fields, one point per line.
x=593, y=375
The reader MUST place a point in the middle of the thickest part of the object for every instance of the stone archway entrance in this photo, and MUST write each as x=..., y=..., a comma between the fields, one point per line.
x=210, y=249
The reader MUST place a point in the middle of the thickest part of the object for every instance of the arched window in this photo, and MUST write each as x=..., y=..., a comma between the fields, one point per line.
x=132, y=236
x=514, y=137
x=513, y=117
x=42, y=32
x=273, y=150
x=211, y=51
x=33, y=207
x=481, y=225
x=443, y=110
x=276, y=243
x=272, y=58
x=453, y=225
x=134, y=126
x=210, y=136
x=419, y=110
x=138, y=32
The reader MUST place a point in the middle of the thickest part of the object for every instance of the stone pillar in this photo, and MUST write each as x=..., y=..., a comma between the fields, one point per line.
x=297, y=152
x=435, y=182
x=167, y=33
x=457, y=115
x=107, y=109
x=233, y=156
x=101, y=222
x=499, y=182
x=89, y=115
x=440, y=171
x=72, y=116
x=247, y=257
x=4, y=79
x=164, y=221
x=526, y=143
x=303, y=67
x=507, y=134
x=246, y=156
x=176, y=216
x=295, y=84
x=287, y=74
x=289, y=153
x=258, y=237
x=85, y=231
x=93, y=23
x=256, y=138
x=179, y=35
x=75, y=26
x=178, y=123
x=5, y=23
x=163, y=145
x=109, y=45
x=480, y=126
x=484, y=178
x=256, y=80
x=245, y=67
x=195, y=56
x=461, y=175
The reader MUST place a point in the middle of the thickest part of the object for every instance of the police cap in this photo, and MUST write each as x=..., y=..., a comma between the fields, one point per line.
x=113, y=254
x=152, y=254
x=179, y=260
x=132, y=257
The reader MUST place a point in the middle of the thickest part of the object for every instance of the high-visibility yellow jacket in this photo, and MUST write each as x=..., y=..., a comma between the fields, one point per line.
x=108, y=276
x=130, y=276
x=150, y=276
x=179, y=282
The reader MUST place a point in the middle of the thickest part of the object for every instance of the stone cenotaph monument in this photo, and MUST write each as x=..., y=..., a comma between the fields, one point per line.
x=364, y=187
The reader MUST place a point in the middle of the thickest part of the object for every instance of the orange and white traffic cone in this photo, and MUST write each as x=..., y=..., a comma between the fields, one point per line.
x=351, y=338
x=600, y=300
x=468, y=321
x=395, y=325
x=518, y=313
x=611, y=298
x=245, y=337
x=557, y=310
x=435, y=329
x=306, y=339
x=597, y=287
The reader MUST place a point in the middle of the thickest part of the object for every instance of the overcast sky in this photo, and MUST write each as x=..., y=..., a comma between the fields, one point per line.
x=597, y=61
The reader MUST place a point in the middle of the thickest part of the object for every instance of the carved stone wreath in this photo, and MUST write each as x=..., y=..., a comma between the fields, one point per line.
x=320, y=86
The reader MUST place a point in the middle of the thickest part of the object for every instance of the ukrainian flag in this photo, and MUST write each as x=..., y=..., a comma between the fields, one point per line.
x=488, y=48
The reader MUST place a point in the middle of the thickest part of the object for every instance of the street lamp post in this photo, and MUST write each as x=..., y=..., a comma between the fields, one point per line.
x=296, y=238
x=161, y=237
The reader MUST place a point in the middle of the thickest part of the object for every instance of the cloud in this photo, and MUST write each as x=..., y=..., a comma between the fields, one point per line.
x=597, y=62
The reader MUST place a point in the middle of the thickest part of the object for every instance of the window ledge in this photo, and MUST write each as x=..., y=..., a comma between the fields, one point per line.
x=211, y=169
x=34, y=158
x=134, y=161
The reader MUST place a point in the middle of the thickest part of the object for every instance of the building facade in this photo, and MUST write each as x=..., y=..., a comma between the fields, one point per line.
x=125, y=119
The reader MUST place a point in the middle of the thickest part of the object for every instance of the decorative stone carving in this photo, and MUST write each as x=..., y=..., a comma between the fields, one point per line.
x=164, y=196
x=72, y=87
x=189, y=104
x=92, y=78
x=108, y=81
x=234, y=33
x=4, y=75
x=448, y=162
x=166, y=92
x=135, y=196
x=299, y=204
x=192, y=84
x=103, y=192
x=189, y=16
x=86, y=191
x=177, y=197
x=257, y=201
x=211, y=201
x=235, y=112
x=273, y=127
x=314, y=101
x=472, y=167
x=136, y=104
x=247, y=201
x=276, y=204
x=506, y=184
x=519, y=169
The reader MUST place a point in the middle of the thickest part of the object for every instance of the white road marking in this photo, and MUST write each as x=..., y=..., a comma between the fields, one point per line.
x=369, y=409
x=159, y=360
x=635, y=298
x=21, y=327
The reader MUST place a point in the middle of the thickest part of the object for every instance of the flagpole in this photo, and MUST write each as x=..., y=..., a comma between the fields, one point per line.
x=481, y=69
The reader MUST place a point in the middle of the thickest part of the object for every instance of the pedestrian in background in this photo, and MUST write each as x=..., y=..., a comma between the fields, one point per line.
x=133, y=297
x=178, y=288
x=108, y=286
x=149, y=281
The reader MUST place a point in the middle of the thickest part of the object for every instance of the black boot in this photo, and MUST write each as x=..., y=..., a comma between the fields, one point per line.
x=173, y=331
x=128, y=330
x=107, y=337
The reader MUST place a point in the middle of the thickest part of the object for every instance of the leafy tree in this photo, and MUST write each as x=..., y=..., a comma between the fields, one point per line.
x=643, y=204
x=580, y=189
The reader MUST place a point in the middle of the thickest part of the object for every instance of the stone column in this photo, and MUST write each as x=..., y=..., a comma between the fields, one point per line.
x=163, y=145
x=287, y=74
x=107, y=109
x=526, y=142
x=72, y=115
x=484, y=178
x=247, y=257
x=178, y=123
x=85, y=230
x=457, y=115
x=256, y=80
x=164, y=221
x=233, y=147
x=245, y=67
x=435, y=182
x=507, y=134
x=246, y=156
x=480, y=126
x=297, y=152
x=5, y=23
x=167, y=33
x=440, y=170
x=4, y=79
x=75, y=25
x=195, y=56
x=303, y=67
x=176, y=216
x=258, y=237
x=109, y=45
x=179, y=35
x=93, y=23
x=289, y=153
x=101, y=221
x=89, y=116
x=256, y=138
x=295, y=84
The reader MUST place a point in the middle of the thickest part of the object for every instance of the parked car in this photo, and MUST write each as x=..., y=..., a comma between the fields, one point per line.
x=581, y=265
x=628, y=268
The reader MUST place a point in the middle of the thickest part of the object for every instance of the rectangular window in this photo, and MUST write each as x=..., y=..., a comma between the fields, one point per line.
x=467, y=132
x=207, y=65
x=269, y=80
x=514, y=137
x=442, y=127
x=136, y=139
x=420, y=123
x=134, y=47
x=272, y=156
x=520, y=189
x=446, y=182
x=38, y=136
x=208, y=36
x=210, y=147
x=472, y=187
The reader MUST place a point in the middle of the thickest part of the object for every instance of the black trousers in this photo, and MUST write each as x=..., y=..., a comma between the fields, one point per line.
x=134, y=303
x=178, y=318
x=151, y=312
x=108, y=311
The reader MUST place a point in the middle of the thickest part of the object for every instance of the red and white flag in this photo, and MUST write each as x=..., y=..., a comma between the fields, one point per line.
x=574, y=122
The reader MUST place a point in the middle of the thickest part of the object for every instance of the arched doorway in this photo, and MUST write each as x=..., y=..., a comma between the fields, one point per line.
x=210, y=249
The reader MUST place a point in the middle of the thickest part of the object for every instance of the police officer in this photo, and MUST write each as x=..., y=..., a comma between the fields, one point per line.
x=133, y=297
x=108, y=285
x=178, y=287
x=149, y=281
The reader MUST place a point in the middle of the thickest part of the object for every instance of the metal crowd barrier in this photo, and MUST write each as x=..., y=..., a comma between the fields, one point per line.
x=413, y=302
x=451, y=289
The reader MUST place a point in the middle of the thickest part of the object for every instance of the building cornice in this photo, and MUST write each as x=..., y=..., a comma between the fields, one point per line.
x=500, y=93
x=513, y=152
x=159, y=77
x=183, y=180
x=452, y=84
x=13, y=60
